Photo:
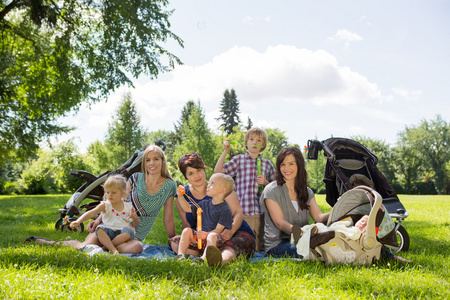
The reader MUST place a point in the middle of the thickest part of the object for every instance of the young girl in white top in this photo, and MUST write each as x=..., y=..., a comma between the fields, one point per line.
x=117, y=215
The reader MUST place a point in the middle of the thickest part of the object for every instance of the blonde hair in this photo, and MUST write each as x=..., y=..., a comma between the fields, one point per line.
x=258, y=132
x=227, y=182
x=164, y=169
x=117, y=181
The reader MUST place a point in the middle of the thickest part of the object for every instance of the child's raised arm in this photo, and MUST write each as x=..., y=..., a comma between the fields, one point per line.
x=219, y=165
x=88, y=215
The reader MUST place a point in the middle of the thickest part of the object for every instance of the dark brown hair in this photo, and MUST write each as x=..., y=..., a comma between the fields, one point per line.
x=192, y=160
x=301, y=179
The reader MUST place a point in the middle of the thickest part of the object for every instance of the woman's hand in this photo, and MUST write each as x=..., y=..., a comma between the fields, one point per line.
x=93, y=224
x=226, y=234
x=133, y=218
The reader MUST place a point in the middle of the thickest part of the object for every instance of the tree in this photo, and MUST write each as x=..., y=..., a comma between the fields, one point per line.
x=186, y=111
x=229, y=111
x=276, y=140
x=99, y=155
x=430, y=141
x=50, y=172
x=407, y=164
x=66, y=157
x=56, y=55
x=196, y=137
x=249, y=123
x=125, y=133
x=316, y=170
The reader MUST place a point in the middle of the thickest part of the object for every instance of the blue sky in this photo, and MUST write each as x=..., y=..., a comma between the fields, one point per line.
x=310, y=68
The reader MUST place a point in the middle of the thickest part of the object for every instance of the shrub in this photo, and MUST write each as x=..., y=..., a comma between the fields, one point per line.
x=423, y=188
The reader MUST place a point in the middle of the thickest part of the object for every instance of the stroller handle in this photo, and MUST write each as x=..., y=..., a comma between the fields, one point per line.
x=370, y=238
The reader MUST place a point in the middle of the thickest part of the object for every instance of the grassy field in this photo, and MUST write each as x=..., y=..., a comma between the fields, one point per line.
x=47, y=271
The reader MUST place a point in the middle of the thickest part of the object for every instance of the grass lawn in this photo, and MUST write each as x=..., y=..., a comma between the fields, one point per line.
x=48, y=271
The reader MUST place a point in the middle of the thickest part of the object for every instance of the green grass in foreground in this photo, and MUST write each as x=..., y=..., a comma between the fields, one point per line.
x=47, y=271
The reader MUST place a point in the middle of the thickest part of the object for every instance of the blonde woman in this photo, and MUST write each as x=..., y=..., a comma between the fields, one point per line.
x=149, y=190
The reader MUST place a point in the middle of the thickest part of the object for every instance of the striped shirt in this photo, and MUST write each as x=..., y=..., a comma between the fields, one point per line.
x=245, y=169
x=148, y=206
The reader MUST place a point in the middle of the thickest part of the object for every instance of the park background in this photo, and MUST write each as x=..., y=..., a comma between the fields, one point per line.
x=83, y=84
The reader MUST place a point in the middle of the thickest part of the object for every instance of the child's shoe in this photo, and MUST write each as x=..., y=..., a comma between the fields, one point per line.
x=180, y=257
x=213, y=256
x=196, y=259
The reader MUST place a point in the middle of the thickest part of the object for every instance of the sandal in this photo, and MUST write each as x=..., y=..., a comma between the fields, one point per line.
x=35, y=238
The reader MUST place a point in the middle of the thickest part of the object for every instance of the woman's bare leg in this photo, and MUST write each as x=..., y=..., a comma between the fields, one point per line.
x=228, y=255
x=131, y=247
x=90, y=239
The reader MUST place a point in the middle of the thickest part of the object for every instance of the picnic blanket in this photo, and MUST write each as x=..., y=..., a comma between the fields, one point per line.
x=161, y=252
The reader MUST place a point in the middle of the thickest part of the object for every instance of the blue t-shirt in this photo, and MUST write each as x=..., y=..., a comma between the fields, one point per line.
x=213, y=214
x=193, y=222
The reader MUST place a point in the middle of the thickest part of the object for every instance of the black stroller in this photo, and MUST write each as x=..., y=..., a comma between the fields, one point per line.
x=350, y=164
x=93, y=189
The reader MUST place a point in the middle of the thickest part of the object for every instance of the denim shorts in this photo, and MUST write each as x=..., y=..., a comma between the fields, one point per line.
x=284, y=249
x=113, y=233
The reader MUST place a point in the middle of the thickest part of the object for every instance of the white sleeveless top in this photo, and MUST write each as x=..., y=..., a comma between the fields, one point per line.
x=113, y=219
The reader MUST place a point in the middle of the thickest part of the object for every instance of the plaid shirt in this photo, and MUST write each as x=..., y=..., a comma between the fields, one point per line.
x=245, y=169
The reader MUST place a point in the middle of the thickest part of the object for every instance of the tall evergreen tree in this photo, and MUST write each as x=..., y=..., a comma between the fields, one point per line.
x=249, y=123
x=229, y=111
x=125, y=135
x=186, y=111
x=197, y=137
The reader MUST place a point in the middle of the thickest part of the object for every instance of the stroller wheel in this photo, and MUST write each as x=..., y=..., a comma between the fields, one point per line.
x=66, y=227
x=402, y=239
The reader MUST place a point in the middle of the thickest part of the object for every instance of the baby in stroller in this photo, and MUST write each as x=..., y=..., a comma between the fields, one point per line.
x=341, y=242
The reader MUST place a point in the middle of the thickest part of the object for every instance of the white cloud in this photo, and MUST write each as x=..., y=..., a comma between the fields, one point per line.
x=406, y=94
x=281, y=75
x=365, y=19
x=345, y=37
x=248, y=20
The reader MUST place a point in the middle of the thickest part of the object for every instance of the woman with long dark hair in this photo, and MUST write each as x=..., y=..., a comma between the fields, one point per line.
x=288, y=202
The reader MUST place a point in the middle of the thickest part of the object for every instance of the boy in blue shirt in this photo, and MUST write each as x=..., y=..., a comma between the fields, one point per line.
x=216, y=216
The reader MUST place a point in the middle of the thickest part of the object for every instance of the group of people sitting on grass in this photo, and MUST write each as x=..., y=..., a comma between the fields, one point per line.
x=259, y=210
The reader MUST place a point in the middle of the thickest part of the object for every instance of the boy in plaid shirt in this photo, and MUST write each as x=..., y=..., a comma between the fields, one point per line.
x=244, y=167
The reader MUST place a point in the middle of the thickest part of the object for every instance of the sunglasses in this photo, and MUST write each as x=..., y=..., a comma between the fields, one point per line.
x=193, y=155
